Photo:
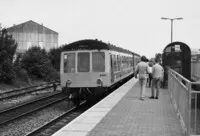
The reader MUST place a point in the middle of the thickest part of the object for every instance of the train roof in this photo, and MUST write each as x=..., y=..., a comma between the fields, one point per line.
x=90, y=44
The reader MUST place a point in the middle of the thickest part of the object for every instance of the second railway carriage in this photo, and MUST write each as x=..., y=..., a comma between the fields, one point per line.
x=90, y=67
x=195, y=66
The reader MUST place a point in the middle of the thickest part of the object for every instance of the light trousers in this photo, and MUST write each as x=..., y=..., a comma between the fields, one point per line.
x=142, y=87
x=155, y=84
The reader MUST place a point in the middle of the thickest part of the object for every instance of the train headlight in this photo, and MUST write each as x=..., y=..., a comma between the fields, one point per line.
x=99, y=82
x=68, y=83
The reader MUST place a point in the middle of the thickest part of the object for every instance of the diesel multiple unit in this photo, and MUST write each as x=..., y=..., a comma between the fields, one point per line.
x=89, y=68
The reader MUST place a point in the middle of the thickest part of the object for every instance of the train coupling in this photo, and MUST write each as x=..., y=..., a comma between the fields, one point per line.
x=99, y=83
x=68, y=82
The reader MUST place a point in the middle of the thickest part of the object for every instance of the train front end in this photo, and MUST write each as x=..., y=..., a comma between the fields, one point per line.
x=84, y=74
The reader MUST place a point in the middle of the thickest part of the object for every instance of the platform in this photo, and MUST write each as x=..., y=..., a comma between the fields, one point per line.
x=122, y=113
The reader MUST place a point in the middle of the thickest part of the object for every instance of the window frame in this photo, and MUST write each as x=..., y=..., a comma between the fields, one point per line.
x=66, y=53
x=103, y=62
x=89, y=67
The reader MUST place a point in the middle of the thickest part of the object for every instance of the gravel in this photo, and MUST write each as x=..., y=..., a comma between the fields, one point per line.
x=25, y=125
x=21, y=99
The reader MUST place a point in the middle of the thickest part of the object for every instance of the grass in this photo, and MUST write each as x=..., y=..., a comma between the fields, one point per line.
x=19, y=83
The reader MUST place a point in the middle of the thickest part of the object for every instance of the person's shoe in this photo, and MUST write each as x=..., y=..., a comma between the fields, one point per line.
x=142, y=99
x=151, y=97
x=156, y=97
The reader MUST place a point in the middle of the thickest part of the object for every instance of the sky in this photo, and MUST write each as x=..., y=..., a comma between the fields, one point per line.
x=135, y=25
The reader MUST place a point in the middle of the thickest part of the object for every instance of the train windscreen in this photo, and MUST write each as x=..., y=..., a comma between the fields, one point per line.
x=98, y=61
x=83, y=62
x=69, y=62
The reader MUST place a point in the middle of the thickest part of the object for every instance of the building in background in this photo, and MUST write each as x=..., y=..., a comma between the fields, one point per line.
x=31, y=33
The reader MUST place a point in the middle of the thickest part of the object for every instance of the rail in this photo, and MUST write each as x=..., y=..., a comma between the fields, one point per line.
x=186, y=103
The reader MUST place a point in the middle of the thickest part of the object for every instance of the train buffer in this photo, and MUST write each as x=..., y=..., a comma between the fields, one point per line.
x=122, y=113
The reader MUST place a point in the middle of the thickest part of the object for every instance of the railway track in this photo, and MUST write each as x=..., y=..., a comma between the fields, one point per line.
x=27, y=90
x=14, y=113
x=57, y=123
x=40, y=119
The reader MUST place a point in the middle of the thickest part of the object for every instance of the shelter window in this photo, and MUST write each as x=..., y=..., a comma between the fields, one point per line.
x=83, y=62
x=98, y=61
x=69, y=63
x=168, y=49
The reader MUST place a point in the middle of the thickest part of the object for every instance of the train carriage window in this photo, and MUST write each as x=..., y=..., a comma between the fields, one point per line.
x=98, y=61
x=83, y=62
x=114, y=58
x=130, y=59
x=69, y=63
x=118, y=62
x=128, y=62
x=122, y=62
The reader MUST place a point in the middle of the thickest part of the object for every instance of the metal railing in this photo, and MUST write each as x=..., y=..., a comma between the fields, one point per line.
x=186, y=101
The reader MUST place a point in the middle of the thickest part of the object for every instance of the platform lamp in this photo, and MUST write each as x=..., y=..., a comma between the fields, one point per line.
x=171, y=19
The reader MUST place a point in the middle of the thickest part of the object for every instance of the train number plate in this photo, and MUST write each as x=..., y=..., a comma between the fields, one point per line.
x=102, y=75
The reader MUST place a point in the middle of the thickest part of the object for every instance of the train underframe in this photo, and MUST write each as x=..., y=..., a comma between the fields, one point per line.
x=90, y=94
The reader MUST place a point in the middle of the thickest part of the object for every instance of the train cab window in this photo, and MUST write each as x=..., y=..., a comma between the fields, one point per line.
x=98, y=61
x=69, y=63
x=83, y=62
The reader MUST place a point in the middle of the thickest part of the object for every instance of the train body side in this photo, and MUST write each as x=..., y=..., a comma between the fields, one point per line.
x=195, y=68
x=114, y=71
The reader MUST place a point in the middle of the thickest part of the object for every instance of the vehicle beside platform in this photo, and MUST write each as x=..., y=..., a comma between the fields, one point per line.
x=89, y=68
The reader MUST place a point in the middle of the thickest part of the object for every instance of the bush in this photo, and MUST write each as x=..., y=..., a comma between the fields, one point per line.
x=53, y=75
x=37, y=63
x=7, y=73
x=8, y=48
x=54, y=56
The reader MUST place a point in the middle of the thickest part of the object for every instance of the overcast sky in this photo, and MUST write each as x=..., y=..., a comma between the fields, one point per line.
x=131, y=24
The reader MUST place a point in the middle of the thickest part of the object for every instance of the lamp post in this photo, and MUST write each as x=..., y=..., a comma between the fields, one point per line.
x=171, y=19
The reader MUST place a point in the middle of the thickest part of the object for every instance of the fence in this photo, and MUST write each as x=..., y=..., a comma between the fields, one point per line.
x=186, y=101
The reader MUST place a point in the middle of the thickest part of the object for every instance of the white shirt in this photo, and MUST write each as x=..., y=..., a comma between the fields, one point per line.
x=150, y=69
x=157, y=71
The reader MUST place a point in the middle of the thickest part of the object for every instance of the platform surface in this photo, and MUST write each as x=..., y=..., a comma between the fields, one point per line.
x=123, y=114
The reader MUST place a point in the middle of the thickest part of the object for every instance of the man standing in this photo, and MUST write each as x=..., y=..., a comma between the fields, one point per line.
x=157, y=73
x=142, y=69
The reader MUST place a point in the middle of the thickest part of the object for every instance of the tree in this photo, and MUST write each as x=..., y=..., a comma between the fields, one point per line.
x=158, y=57
x=37, y=63
x=8, y=48
x=54, y=56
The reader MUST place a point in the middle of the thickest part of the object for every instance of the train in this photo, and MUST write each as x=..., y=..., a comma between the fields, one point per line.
x=179, y=57
x=90, y=67
x=195, y=65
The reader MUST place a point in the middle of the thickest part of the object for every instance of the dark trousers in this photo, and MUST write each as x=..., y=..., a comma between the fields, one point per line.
x=149, y=80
